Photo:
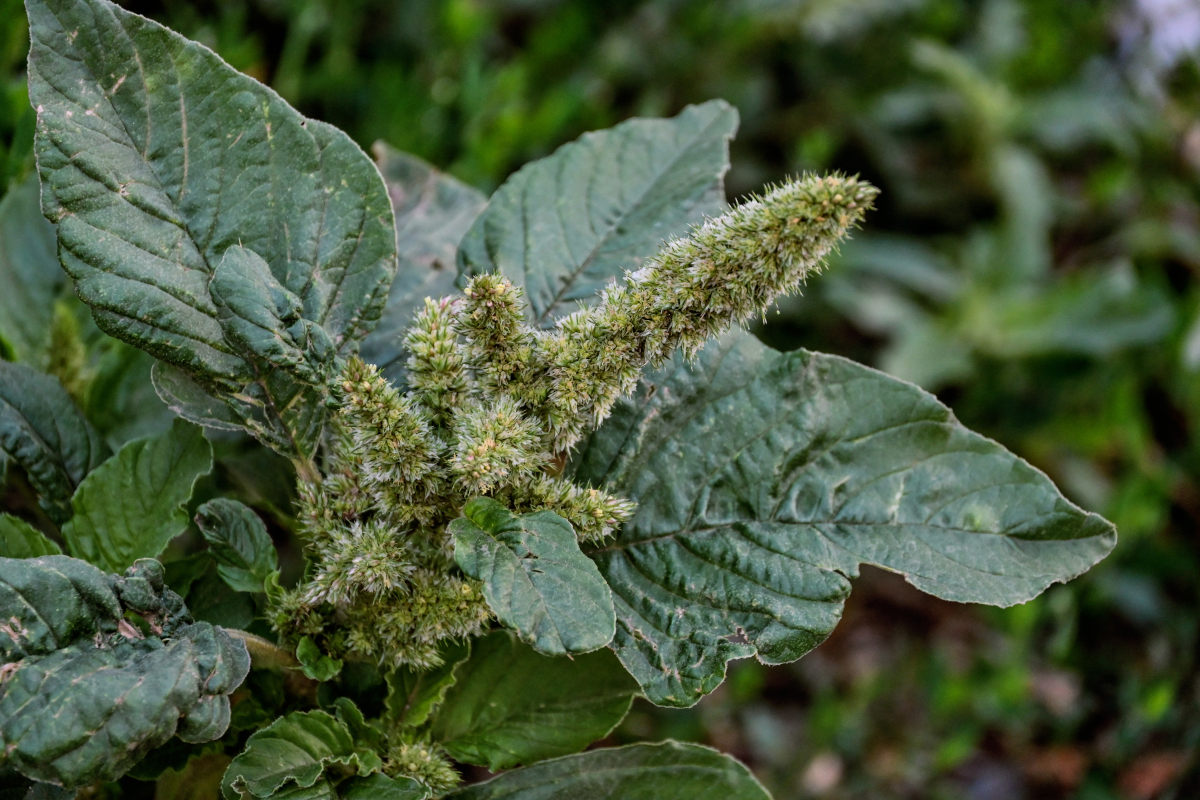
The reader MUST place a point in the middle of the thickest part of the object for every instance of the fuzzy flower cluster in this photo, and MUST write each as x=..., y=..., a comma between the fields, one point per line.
x=492, y=406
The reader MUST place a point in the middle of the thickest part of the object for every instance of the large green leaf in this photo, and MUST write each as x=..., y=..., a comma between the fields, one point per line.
x=29, y=273
x=86, y=694
x=510, y=705
x=433, y=211
x=565, y=226
x=133, y=504
x=239, y=542
x=664, y=771
x=43, y=431
x=535, y=577
x=763, y=479
x=156, y=157
x=381, y=787
x=294, y=751
x=19, y=539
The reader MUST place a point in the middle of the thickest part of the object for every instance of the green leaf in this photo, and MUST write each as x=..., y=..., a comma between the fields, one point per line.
x=433, y=211
x=535, y=577
x=156, y=158
x=113, y=692
x=239, y=542
x=513, y=706
x=295, y=749
x=413, y=695
x=19, y=539
x=132, y=505
x=567, y=225
x=314, y=663
x=29, y=273
x=43, y=431
x=381, y=787
x=763, y=479
x=664, y=771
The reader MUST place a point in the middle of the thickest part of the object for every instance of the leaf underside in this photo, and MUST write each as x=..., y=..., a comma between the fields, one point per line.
x=764, y=479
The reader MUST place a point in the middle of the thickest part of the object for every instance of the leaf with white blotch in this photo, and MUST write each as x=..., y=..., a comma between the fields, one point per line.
x=512, y=706
x=293, y=751
x=763, y=480
x=29, y=273
x=113, y=692
x=157, y=157
x=132, y=505
x=567, y=225
x=43, y=431
x=664, y=771
x=239, y=542
x=433, y=211
x=19, y=539
x=535, y=578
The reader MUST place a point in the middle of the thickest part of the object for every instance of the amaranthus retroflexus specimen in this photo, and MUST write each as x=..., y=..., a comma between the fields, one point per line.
x=493, y=406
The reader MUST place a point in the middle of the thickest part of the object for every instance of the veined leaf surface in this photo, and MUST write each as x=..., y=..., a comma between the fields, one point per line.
x=763, y=480
x=566, y=225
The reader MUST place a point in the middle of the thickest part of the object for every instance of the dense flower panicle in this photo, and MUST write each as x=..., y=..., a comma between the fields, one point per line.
x=495, y=445
x=436, y=372
x=423, y=760
x=728, y=270
x=499, y=345
x=493, y=406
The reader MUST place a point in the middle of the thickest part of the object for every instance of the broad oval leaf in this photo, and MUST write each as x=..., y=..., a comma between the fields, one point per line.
x=294, y=751
x=42, y=430
x=433, y=211
x=132, y=505
x=764, y=479
x=85, y=694
x=535, y=577
x=665, y=771
x=565, y=226
x=156, y=157
x=239, y=543
x=511, y=706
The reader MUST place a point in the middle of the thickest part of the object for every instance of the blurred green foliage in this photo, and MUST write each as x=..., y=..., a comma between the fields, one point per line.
x=1033, y=260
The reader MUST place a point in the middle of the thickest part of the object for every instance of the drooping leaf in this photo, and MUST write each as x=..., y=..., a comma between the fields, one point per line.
x=381, y=787
x=512, y=706
x=566, y=225
x=239, y=542
x=433, y=211
x=156, y=157
x=85, y=694
x=764, y=479
x=664, y=771
x=29, y=273
x=535, y=577
x=293, y=750
x=19, y=539
x=43, y=431
x=132, y=505
x=413, y=695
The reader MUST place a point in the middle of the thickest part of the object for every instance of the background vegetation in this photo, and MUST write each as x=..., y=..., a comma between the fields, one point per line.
x=1033, y=261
